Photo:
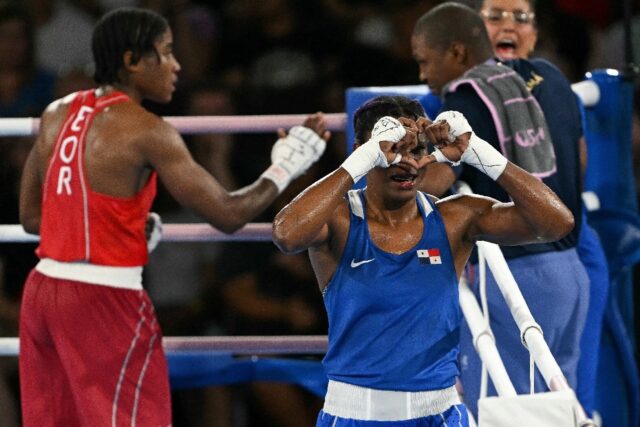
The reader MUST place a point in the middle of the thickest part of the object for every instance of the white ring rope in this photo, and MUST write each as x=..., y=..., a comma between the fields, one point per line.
x=587, y=90
x=200, y=232
x=245, y=345
x=191, y=125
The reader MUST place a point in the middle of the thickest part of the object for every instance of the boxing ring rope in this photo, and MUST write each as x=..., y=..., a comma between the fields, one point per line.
x=587, y=90
x=238, y=345
x=198, y=232
x=193, y=125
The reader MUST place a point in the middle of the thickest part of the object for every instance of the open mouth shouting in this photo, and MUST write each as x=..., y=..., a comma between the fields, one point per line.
x=506, y=48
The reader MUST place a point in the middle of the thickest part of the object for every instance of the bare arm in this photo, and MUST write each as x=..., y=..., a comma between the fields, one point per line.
x=31, y=193
x=304, y=222
x=536, y=214
x=33, y=173
x=192, y=186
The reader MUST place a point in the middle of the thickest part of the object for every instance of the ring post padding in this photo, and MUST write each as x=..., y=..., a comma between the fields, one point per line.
x=610, y=164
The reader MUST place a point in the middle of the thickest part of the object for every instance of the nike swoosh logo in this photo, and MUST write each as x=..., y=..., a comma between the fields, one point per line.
x=355, y=264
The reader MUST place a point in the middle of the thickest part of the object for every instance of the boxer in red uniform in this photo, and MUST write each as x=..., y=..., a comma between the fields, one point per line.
x=90, y=346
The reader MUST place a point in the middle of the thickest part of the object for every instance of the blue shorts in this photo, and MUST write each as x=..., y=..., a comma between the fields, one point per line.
x=456, y=416
x=555, y=286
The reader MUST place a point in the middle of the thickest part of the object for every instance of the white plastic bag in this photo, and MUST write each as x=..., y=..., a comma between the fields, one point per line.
x=550, y=409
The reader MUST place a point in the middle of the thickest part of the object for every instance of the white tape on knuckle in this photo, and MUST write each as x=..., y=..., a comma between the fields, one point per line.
x=308, y=142
x=305, y=135
x=458, y=124
x=388, y=129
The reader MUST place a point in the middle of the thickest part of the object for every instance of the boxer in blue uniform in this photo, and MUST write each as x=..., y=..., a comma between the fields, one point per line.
x=388, y=259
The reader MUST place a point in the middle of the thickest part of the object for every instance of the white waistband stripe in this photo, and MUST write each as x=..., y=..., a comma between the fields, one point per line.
x=105, y=275
x=362, y=403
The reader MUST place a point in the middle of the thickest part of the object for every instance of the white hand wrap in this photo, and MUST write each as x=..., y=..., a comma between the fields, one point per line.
x=479, y=153
x=458, y=124
x=156, y=231
x=369, y=155
x=482, y=156
x=293, y=155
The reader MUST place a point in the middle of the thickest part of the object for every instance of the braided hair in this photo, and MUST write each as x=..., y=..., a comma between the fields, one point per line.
x=122, y=30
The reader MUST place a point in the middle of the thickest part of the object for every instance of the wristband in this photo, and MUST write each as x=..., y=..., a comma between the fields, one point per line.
x=441, y=158
x=278, y=175
x=482, y=156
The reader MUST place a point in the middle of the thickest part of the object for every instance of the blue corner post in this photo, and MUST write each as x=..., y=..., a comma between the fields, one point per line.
x=610, y=176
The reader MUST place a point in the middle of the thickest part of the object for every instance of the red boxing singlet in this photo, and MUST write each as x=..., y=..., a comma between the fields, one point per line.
x=78, y=224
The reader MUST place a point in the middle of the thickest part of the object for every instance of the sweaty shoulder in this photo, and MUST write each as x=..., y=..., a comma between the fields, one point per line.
x=464, y=207
x=61, y=103
x=459, y=213
x=140, y=122
x=474, y=203
x=144, y=134
x=53, y=116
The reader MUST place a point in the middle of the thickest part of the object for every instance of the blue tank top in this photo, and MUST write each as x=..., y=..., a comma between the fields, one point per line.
x=394, y=320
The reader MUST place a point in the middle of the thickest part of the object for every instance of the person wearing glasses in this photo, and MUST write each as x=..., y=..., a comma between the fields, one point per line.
x=457, y=61
x=511, y=27
x=513, y=32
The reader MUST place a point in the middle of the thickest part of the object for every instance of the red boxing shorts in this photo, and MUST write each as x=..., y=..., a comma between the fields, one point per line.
x=90, y=355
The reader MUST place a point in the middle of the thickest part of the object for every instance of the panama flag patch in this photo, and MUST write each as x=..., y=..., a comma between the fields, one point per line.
x=429, y=256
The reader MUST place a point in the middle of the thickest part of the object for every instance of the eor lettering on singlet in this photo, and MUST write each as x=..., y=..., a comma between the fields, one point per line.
x=68, y=150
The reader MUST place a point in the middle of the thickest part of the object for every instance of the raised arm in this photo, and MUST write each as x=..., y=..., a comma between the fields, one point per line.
x=536, y=214
x=306, y=221
x=193, y=187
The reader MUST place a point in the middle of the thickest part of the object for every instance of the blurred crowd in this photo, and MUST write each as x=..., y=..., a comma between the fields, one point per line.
x=244, y=57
